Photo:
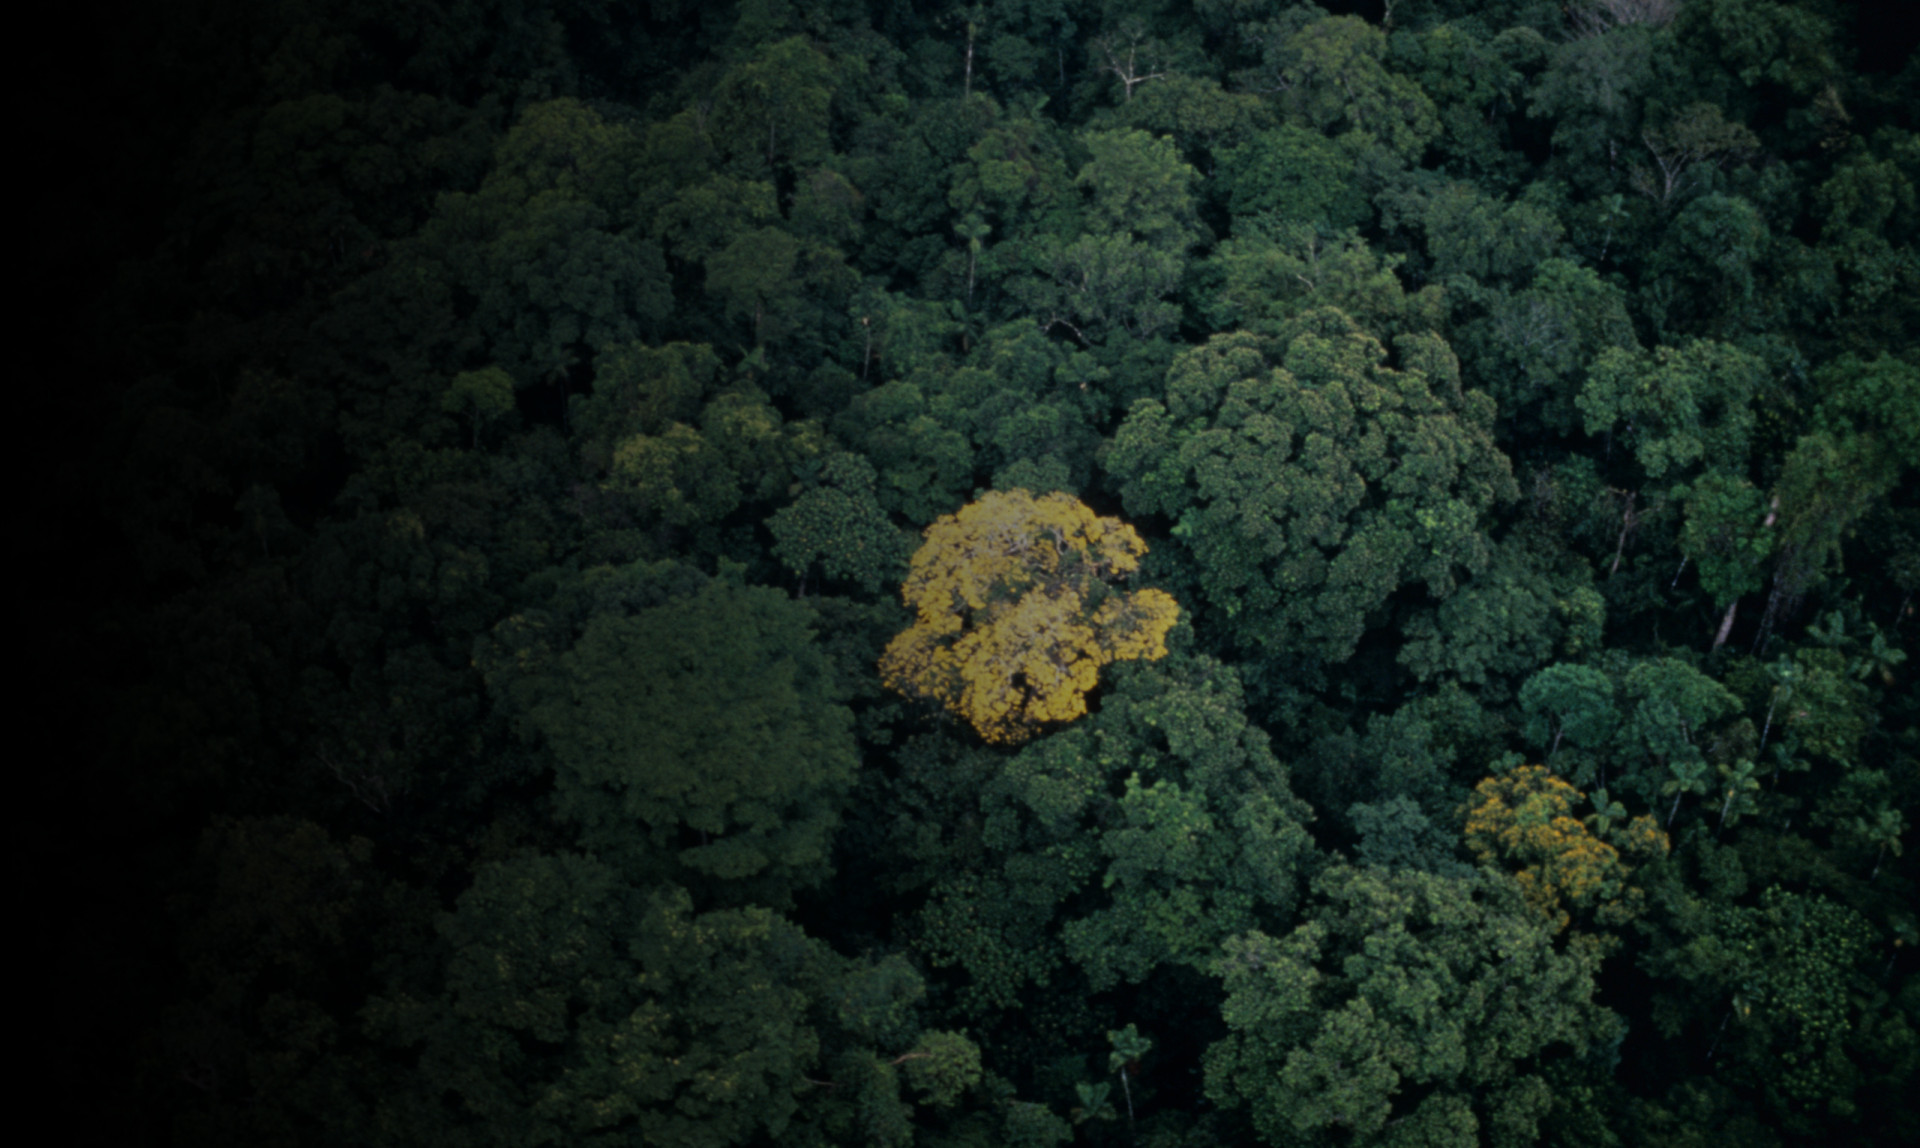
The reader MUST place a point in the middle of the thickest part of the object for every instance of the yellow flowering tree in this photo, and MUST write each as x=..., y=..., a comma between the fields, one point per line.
x=1527, y=818
x=1015, y=612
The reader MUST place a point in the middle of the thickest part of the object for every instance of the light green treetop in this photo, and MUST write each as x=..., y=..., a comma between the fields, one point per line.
x=1309, y=480
x=1409, y=1010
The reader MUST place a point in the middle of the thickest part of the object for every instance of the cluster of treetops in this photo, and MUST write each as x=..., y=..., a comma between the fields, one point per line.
x=1115, y=572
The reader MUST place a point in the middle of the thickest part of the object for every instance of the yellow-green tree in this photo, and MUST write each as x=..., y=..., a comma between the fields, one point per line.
x=1526, y=818
x=1014, y=612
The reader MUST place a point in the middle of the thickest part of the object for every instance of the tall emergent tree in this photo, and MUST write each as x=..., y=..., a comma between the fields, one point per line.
x=1308, y=480
x=1412, y=1009
x=1014, y=616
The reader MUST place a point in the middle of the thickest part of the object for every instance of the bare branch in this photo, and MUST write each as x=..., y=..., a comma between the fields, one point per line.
x=1124, y=60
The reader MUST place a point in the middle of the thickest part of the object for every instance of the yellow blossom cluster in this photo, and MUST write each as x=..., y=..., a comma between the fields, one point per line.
x=1526, y=818
x=1014, y=614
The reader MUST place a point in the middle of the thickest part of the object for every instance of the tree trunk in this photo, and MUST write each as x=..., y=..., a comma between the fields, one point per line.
x=1626, y=525
x=1718, y=1033
x=1767, y=728
x=1766, y=619
x=1726, y=624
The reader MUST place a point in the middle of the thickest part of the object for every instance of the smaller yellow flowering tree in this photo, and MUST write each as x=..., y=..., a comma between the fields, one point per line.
x=1527, y=818
x=1015, y=613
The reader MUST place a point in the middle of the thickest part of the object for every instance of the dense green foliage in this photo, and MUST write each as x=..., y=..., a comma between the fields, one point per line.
x=518, y=418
